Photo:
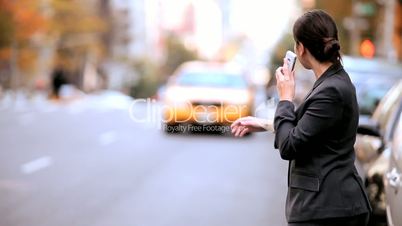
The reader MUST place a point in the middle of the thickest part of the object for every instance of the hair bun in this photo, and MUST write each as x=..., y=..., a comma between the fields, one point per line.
x=331, y=46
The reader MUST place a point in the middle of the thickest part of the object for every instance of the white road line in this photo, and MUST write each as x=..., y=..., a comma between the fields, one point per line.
x=107, y=138
x=36, y=165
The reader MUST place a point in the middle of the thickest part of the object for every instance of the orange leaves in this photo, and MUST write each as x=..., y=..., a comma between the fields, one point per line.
x=24, y=16
x=76, y=18
x=5, y=53
x=29, y=28
x=20, y=20
x=28, y=19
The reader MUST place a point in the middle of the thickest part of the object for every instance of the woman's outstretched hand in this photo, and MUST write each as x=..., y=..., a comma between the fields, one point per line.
x=249, y=124
x=285, y=82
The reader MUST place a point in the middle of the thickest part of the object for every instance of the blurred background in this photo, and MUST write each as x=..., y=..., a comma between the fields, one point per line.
x=109, y=109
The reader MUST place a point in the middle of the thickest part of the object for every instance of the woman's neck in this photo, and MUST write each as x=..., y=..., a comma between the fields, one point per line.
x=319, y=68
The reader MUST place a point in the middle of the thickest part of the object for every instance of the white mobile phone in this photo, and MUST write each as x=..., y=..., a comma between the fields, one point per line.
x=291, y=59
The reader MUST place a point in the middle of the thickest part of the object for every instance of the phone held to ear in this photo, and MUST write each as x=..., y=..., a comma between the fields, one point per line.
x=291, y=59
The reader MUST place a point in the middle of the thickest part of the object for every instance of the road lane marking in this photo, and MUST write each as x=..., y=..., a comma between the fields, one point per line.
x=107, y=138
x=36, y=165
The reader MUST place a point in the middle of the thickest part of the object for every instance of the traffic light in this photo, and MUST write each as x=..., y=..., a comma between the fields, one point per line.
x=367, y=48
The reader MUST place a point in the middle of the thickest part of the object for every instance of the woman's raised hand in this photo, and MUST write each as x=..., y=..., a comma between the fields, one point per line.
x=285, y=82
x=250, y=124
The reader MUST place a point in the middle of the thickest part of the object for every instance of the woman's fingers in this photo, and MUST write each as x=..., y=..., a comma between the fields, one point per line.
x=279, y=74
x=235, y=124
x=244, y=131
x=285, y=70
x=234, y=129
x=238, y=131
x=285, y=82
x=245, y=125
x=285, y=64
x=239, y=121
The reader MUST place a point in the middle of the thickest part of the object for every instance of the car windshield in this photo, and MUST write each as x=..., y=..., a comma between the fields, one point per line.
x=211, y=79
x=370, y=89
x=387, y=106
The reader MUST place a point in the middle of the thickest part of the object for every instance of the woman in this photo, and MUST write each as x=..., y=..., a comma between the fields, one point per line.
x=318, y=137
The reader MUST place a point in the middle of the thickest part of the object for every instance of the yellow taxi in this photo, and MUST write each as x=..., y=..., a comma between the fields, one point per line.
x=205, y=93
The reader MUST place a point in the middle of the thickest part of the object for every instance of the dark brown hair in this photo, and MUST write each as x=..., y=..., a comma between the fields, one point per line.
x=317, y=31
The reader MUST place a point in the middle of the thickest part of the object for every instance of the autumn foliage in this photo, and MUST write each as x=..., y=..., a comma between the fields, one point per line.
x=36, y=35
x=20, y=20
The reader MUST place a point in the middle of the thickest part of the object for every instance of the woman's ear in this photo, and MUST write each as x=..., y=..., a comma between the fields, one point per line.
x=300, y=49
x=303, y=55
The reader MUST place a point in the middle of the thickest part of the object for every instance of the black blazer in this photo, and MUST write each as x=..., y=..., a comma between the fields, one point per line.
x=318, y=140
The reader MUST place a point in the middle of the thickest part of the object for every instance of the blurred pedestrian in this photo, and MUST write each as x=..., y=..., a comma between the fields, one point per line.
x=318, y=137
x=58, y=80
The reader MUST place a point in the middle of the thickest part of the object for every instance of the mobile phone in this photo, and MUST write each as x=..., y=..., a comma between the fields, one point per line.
x=291, y=59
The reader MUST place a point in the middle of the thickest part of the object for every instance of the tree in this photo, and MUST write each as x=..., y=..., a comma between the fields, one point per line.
x=20, y=20
x=71, y=30
x=77, y=28
x=176, y=54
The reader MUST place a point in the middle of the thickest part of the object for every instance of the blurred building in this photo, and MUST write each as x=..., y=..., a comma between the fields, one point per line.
x=397, y=37
x=198, y=23
x=135, y=28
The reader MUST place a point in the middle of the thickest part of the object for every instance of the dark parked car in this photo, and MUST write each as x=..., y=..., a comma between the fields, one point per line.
x=393, y=179
x=371, y=77
x=372, y=148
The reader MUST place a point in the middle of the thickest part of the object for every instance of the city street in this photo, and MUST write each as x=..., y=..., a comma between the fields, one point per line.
x=112, y=112
x=87, y=163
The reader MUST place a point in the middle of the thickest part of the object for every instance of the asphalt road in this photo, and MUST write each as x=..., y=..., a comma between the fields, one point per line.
x=88, y=163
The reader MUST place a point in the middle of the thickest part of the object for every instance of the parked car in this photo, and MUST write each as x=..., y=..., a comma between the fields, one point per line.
x=371, y=77
x=375, y=136
x=393, y=179
x=206, y=93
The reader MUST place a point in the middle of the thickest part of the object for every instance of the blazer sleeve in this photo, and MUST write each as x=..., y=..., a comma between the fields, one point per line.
x=292, y=136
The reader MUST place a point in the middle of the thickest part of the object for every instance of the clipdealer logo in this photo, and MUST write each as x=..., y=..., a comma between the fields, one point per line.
x=198, y=117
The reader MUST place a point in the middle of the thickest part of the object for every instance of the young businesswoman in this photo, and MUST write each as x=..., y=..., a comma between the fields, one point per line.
x=318, y=137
